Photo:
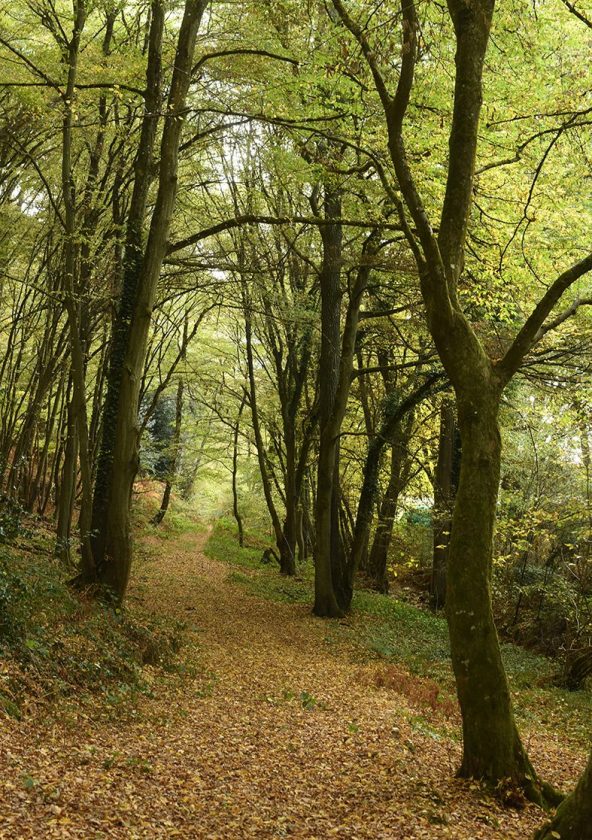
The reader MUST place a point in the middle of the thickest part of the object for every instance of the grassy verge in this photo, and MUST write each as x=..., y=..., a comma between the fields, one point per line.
x=393, y=631
x=55, y=644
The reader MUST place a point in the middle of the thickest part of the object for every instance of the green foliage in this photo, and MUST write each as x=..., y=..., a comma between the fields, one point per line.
x=12, y=593
x=55, y=644
x=223, y=545
x=11, y=514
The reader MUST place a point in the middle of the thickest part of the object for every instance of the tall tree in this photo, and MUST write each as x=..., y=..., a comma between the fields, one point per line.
x=492, y=748
x=118, y=460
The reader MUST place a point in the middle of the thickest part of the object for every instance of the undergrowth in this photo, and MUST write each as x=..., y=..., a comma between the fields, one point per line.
x=55, y=643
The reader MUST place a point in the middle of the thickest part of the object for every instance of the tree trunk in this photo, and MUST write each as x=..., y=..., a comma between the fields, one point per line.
x=78, y=364
x=174, y=459
x=445, y=485
x=65, y=503
x=492, y=749
x=118, y=462
x=235, y=507
x=286, y=560
x=366, y=502
x=573, y=820
x=327, y=510
x=392, y=430
x=289, y=534
x=376, y=571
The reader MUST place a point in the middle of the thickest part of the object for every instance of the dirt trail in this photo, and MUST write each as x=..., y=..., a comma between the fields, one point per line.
x=279, y=734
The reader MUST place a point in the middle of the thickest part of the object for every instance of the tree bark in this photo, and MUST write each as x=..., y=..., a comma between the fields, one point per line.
x=118, y=461
x=492, y=747
x=174, y=456
x=287, y=560
x=390, y=431
x=376, y=570
x=65, y=502
x=327, y=506
x=445, y=485
x=235, y=506
x=573, y=820
x=78, y=366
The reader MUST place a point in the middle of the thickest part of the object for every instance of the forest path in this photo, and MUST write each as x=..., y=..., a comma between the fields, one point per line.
x=279, y=733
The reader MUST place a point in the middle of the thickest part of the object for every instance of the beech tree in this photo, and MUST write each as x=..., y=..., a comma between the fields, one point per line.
x=118, y=459
x=492, y=748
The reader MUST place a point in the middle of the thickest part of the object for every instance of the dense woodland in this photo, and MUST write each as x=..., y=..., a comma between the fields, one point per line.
x=322, y=272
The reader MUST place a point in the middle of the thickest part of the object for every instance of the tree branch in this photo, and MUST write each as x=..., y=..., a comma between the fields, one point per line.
x=252, y=219
x=244, y=51
x=534, y=327
x=577, y=13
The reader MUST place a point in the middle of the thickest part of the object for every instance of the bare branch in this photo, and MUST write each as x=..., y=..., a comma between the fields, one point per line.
x=577, y=13
x=225, y=53
x=567, y=313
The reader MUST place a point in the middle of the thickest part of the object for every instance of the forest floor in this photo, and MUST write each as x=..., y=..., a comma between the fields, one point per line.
x=276, y=724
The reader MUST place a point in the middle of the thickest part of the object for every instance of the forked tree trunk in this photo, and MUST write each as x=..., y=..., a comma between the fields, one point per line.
x=376, y=571
x=492, y=747
x=287, y=561
x=395, y=430
x=333, y=570
x=118, y=462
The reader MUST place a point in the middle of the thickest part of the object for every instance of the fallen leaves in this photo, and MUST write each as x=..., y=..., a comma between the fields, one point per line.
x=269, y=734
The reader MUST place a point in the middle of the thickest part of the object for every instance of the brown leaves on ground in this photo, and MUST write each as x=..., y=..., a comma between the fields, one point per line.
x=280, y=734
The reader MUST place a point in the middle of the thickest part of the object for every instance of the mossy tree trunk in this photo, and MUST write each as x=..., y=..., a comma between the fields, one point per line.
x=446, y=477
x=333, y=571
x=118, y=461
x=326, y=508
x=573, y=820
x=492, y=749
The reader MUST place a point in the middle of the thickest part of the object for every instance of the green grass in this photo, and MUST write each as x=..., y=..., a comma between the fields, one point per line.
x=262, y=579
x=55, y=643
x=179, y=518
x=223, y=545
x=389, y=629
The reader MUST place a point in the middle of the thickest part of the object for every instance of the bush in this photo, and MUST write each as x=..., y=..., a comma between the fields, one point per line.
x=11, y=515
x=55, y=643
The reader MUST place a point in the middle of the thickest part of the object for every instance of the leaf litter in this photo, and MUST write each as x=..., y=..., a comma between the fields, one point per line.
x=269, y=733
